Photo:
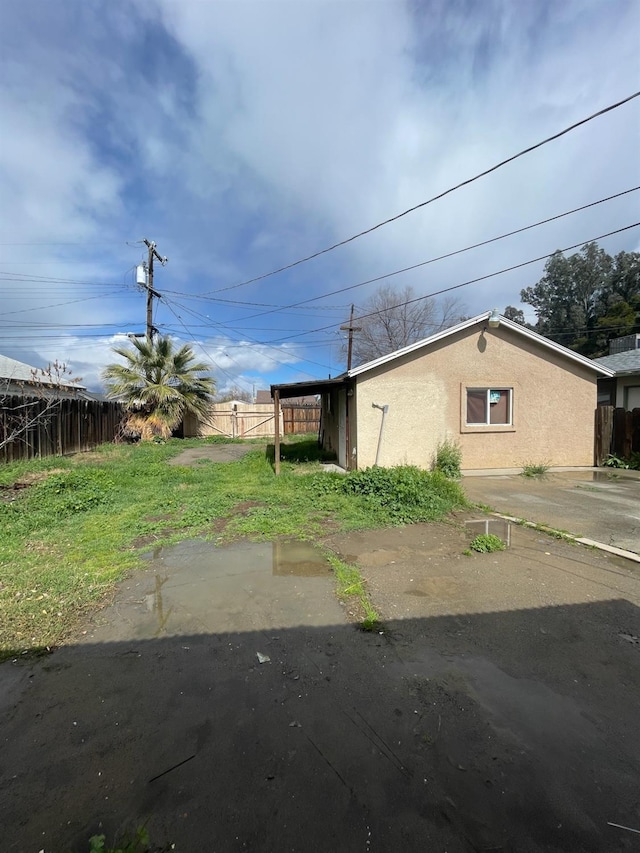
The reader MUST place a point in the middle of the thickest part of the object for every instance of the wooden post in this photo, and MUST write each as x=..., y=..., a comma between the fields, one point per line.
x=276, y=414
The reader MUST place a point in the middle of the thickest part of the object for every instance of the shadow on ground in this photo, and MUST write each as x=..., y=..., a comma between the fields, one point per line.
x=509, y=731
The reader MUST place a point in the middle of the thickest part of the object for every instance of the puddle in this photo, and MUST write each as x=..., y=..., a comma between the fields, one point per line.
x=494, y=526
x=298, y=559
x=196, y=587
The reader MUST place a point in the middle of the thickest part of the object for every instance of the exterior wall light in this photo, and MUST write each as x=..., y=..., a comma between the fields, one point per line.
x=494, y=319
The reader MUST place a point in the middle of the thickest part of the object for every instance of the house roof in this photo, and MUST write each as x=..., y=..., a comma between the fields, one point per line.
x=621, y=363
x=545, y=343
x=18, y=371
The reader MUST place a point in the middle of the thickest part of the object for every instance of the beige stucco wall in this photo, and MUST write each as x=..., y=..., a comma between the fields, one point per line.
x=553, y=404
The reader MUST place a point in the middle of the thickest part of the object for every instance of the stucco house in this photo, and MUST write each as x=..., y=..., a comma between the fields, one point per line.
x=505, y=394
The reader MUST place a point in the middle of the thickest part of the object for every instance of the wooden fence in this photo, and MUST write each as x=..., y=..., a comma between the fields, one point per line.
x=252, y=420
x=300, y=419
x=45, y=429
x=617, y=432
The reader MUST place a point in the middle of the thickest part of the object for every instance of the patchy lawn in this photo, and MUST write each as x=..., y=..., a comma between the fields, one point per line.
x=71, y=528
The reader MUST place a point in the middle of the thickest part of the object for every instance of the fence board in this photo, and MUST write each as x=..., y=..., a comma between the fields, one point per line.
x=70, y=426
x=300, y=419
x=617, y=432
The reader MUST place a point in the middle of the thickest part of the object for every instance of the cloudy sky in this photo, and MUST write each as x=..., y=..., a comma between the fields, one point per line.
x=243, y=136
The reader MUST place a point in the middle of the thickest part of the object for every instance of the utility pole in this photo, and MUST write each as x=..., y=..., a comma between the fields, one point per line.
x=351, y=329
x=153, y=253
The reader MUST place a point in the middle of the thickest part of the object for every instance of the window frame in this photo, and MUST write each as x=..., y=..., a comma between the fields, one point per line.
x=487, y=426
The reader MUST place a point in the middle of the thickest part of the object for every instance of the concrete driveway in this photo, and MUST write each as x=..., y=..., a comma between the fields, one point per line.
x=597, y=504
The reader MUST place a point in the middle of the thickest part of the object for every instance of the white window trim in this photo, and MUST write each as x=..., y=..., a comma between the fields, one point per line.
x=486, y=427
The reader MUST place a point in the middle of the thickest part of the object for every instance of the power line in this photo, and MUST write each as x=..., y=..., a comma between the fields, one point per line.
x=445, y=256
x=252, y=340
x=466, y=283
x=435, y=197
x=56, y=305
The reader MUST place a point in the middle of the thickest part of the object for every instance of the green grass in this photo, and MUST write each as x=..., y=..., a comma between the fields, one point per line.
x=81, y=524
x=351, y=586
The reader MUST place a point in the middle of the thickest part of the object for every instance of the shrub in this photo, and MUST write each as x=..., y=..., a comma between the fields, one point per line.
x=400, y=495
x=486, y=543
x=448, y=459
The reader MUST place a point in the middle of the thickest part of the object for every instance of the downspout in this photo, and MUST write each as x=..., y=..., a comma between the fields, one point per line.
x=384, y=409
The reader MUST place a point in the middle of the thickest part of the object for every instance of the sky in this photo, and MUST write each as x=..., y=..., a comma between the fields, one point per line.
x=244, y=136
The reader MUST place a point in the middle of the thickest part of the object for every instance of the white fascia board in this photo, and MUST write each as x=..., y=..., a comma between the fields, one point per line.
x=466, y=324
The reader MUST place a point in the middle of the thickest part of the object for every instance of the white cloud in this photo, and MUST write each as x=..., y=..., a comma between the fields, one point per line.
x=243, y=135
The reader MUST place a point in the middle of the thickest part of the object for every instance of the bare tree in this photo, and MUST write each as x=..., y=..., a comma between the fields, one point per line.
x=234, y=392
x=27, y=403
x=386, y=322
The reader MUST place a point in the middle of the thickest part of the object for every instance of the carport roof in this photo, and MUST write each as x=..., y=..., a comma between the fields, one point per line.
x=313, y=386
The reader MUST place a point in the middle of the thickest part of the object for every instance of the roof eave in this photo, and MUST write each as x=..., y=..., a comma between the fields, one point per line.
x=466, y=324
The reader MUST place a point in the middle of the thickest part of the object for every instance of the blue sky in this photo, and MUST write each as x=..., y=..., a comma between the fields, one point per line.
x=242, y=136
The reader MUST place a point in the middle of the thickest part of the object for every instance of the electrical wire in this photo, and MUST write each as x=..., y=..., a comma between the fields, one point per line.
x=440, y=195
x=252, y=340
x=442, y=257
x=465, y=283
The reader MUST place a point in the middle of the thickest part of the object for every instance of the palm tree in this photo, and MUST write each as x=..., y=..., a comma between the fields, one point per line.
x=157, y=385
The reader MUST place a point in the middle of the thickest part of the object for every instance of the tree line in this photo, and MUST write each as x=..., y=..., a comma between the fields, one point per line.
x=585, y=299
x=581, y=301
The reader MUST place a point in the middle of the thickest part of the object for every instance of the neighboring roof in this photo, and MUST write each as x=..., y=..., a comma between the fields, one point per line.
x=18, y=371
x=313, y=386
x=307, y=400
x=483, y=318
x=621, y=363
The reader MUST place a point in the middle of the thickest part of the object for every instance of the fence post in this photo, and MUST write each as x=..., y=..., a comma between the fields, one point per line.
x=635, y=431
x=604, y=418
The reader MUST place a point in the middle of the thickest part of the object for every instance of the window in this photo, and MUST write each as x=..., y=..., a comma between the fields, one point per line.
x=489, y=406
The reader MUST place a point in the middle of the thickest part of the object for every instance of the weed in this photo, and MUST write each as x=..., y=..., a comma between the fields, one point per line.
x=448, y=459
x=401, y=495
x=138, y=842
x=487, y=543
x=467, y=552
x=535, y=469
x=351, y=585
x=631, y=462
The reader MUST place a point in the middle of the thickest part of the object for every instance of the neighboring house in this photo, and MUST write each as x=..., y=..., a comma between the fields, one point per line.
x=309, y=400
x=505, y=394
x=20, y=379
x=623, y=390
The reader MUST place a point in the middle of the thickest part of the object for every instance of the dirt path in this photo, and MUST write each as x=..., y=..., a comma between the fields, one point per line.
x=212, y=453
x=497, y=711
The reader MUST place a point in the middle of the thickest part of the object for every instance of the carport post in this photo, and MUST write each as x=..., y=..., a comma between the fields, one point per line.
x=276, y=414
